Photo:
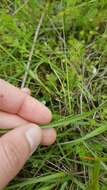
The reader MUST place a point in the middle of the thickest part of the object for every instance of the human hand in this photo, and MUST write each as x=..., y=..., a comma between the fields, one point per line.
x=22, y=112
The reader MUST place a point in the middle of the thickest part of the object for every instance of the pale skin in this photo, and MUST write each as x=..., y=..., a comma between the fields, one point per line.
x=23, y=113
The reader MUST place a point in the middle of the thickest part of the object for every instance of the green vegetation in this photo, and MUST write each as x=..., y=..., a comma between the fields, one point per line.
x=64, y=43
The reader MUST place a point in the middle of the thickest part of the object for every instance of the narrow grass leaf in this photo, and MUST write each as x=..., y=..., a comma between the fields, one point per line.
x=94, y=133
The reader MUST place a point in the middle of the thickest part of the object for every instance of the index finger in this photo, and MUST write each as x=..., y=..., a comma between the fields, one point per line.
x=13, y=100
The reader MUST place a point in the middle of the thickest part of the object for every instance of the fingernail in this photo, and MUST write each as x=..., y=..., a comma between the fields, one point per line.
x=26, y=91
x=33, y=136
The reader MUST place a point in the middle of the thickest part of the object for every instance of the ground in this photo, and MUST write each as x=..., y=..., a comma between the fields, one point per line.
x=68, y=73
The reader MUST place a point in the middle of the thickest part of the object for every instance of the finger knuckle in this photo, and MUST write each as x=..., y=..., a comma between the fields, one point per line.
x=11, y=154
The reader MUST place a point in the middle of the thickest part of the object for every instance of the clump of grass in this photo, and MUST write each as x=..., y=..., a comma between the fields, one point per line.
x=68, y=72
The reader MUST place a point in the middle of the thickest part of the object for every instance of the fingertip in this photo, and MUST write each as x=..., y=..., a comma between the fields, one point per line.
x=48, y=116
x=48, y=136
x=35, y=111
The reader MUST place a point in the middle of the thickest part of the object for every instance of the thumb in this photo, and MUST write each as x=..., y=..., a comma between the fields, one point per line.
x=15, y=148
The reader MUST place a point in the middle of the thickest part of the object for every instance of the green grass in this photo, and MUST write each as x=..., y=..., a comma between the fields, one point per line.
x=68, y=72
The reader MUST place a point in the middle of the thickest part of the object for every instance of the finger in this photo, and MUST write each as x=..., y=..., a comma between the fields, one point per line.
x=15, y=148
x=14, y=101
x=12, y=121
x=48, y=136
x=26, y=90
x=8, y=120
